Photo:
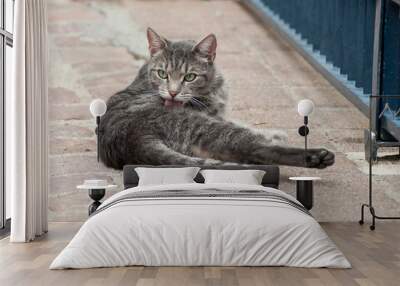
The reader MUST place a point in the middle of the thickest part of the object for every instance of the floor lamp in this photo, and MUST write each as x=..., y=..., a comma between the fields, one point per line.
x=98, y=108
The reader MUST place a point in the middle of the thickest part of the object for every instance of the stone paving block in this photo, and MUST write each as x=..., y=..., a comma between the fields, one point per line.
x=72, y=14
x=322, y=96
x=264, y=41
x=341, y=118
x=62, y=28
x=70, y=129
x=69, y=112
x=107, y=67
x=67, y=203
x=247, y=77
x=345, y=140
x=120, y=79
x=285, y=58
x=72, y=207
x=266, y=117
x=93, y=55
x=298, y=76
x=103, y=92
x=243, y=98
x=60, y=95
x=72, y=145
x=63, y=185
x=235, y=61
x=70, y=41
x=77, y=164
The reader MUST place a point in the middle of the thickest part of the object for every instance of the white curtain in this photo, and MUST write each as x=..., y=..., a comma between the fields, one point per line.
x=26, y=123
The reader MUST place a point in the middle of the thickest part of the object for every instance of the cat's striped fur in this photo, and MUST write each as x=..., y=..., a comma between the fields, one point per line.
x=165, y=117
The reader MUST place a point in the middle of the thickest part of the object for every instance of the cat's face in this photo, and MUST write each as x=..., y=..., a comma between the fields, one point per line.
x=182, y=71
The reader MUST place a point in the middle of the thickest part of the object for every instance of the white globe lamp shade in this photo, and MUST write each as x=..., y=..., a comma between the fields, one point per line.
x=98, y=107
x=305, y=107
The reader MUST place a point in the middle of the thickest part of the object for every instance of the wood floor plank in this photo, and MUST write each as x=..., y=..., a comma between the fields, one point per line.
x=375, y=257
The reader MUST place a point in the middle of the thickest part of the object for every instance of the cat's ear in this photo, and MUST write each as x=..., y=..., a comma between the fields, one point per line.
x=207, y=47
x=156, y=42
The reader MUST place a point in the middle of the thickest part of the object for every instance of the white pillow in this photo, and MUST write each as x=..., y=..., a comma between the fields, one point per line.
x=164, y=176
x=248, y=177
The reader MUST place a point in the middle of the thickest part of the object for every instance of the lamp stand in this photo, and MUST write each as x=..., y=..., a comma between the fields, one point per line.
x=369, y=205
x=303, y=131
x=305, y=139
x=98, y=137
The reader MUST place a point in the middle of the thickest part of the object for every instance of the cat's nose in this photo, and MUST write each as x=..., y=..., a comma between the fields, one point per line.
x=172, y=93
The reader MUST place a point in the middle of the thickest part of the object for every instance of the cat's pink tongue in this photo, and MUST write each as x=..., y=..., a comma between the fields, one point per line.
x=172, y=103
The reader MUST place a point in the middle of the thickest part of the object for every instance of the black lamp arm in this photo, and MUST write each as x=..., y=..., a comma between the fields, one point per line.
x=303, y=131
x=98, y=137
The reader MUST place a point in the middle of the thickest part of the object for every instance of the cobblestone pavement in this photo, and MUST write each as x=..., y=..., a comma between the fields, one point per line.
x=96, y=48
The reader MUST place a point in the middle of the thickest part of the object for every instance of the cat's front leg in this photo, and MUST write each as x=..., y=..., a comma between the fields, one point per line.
x=227, y=141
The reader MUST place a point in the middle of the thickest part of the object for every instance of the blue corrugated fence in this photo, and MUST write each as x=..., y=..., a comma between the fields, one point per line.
x=340, y=35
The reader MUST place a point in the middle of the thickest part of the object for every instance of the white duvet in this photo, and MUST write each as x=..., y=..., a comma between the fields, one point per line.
x=200, y=231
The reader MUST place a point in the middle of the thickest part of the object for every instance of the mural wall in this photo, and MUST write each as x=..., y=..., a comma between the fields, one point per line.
x=97, y=48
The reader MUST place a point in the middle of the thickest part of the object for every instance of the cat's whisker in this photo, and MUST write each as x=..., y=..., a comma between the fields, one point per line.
x=203, y=100
x=195, y=104
x=198, y=103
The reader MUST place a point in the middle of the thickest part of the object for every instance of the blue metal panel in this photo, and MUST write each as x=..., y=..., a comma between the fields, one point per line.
x=391, y=50
x=339, y=34
x=341, y=30
x=369, y=11
x=390, y=79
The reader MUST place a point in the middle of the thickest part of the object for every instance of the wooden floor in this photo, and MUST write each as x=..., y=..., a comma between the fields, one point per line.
x=375, y=257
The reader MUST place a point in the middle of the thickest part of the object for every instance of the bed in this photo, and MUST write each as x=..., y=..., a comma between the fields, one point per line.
x=198, y=224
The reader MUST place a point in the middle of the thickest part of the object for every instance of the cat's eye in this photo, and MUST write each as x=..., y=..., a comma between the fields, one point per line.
x=190, y=77
x=162, y=74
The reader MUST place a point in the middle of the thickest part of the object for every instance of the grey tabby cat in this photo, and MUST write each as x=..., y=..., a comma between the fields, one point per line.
x=172, y=113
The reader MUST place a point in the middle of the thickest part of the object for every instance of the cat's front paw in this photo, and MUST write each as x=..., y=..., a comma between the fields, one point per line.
x=320, y=158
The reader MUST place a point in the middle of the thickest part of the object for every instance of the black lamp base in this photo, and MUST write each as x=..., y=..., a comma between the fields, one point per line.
x=304, y=193
x=96, y=195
